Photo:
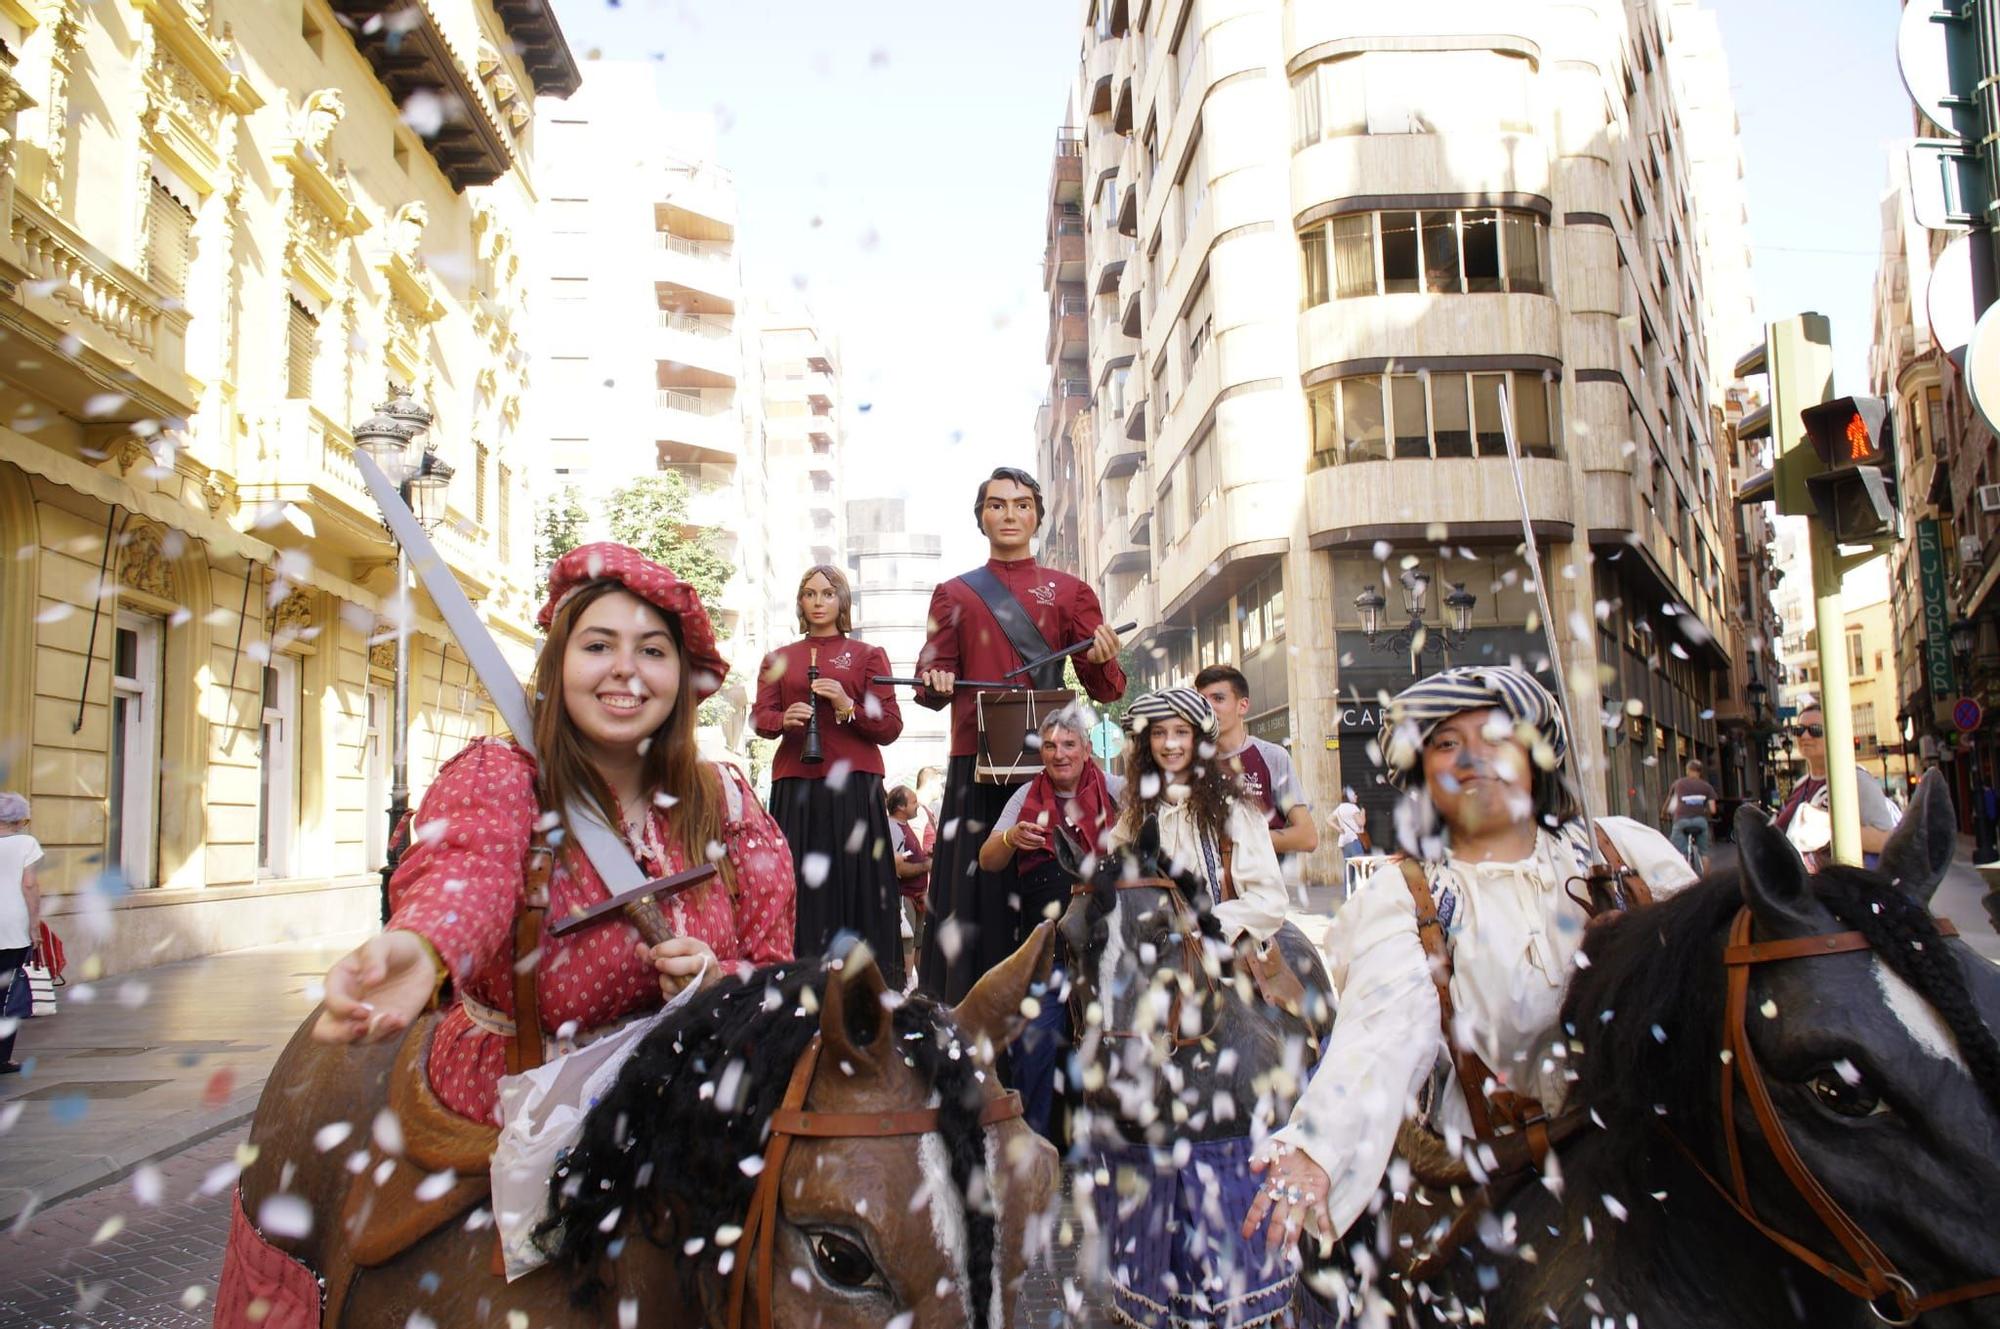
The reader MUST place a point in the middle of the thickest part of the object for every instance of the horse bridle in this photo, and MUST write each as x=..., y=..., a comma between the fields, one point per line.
x=1874, y=1277
x=1194, y=968
x=793, y=1121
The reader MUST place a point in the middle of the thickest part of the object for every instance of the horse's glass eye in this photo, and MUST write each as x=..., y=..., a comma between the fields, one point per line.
x=841, y=1261
x=1848, y=1095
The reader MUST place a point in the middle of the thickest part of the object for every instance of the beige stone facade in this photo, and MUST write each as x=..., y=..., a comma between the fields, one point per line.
x=227, y=229
x=1296, y=252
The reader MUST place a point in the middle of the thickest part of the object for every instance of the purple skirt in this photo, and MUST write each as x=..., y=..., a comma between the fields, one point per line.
x=1173, y=1238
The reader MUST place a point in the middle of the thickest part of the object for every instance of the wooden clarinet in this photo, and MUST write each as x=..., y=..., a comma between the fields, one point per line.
x=812, y=756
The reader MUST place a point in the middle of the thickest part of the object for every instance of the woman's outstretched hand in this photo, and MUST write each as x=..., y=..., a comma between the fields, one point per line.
x=377, y=989
x=1292, y=1198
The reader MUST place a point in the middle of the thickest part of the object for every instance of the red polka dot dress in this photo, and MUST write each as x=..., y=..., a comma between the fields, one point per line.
x=459, y=887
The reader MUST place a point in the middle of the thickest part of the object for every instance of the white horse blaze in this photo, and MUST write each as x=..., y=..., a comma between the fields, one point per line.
x=1915, y=1015
x=947, y=1212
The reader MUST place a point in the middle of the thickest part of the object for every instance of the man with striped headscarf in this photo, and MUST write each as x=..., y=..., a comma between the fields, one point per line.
x=1493, y=833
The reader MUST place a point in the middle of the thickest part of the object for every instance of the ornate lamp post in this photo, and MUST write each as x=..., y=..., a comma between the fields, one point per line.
x=423, y=483
x=1416, y=637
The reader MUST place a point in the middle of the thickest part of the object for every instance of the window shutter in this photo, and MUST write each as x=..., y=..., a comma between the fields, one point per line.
x=302, y=349
x=479, y=456
x=169, y=240
x=506, y=519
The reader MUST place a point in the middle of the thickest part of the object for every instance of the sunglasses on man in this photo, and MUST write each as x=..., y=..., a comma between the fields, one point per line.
x=1810, y=730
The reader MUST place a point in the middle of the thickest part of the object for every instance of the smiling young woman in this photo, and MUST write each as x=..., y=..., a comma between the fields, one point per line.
x=629, y=655
x=832, y=810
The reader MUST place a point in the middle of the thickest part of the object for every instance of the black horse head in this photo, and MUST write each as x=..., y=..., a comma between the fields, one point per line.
x=1882, y=1066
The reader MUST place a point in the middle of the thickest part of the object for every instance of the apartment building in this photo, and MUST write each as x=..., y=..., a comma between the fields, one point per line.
x=893, y=568
x=646, y=346
x=801, y=404
x=227, y=230
x=1298, y=258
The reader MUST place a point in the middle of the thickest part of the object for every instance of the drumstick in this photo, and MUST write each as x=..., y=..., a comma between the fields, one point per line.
x=1067, y=651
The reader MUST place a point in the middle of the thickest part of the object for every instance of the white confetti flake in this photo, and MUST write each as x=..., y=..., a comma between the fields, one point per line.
x=146, y=1186
x=285, y=1215
x=814, y=867
x=108, y=1229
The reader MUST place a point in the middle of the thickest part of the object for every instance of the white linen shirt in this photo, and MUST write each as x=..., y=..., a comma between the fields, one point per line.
x=1259, y=906
x=1514, y=936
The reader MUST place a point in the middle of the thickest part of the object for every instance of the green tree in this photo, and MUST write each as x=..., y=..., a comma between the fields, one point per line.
x=558, y=525
x=651, y=515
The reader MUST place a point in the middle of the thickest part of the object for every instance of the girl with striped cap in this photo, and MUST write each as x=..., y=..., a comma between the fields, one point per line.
x=1207, y=825
x=1492, y=832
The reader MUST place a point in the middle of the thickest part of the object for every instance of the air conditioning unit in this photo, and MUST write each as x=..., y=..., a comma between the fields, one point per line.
x=1989, y=498
x=1968, y=545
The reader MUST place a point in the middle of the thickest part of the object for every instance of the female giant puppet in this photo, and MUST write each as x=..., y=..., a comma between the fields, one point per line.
x=629, y=654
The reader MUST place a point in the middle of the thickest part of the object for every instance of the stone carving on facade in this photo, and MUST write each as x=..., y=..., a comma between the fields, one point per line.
x=314, y=125
x=143, y=564
x=503, y=88
x=13, y=99
x=406, y=232
x=382, y=656
x=64, y=21
x=292, y=617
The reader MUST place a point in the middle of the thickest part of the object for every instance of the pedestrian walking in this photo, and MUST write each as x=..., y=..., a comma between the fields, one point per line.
x=831, y=723
x=1689, y=809
x=20, y=915
x=984, y=625
x=1350, y=828
x=1806, y=818
x=1263, y=769
x=913, y=867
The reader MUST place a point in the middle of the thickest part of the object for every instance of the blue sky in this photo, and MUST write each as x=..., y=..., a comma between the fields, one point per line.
x=892, y=161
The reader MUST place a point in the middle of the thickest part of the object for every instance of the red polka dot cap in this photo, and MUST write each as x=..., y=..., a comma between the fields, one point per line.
x=656, y=584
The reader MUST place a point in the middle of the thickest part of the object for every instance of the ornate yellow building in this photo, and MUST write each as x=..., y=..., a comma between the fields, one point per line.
x=227, y=229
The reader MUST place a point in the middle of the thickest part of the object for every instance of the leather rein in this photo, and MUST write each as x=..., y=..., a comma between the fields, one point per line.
x=1874, y=1278
x=1193, y=967
x=794, y=1121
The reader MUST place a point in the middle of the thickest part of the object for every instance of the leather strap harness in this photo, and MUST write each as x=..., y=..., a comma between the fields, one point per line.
x=793, y=1121
x=1873, y=1277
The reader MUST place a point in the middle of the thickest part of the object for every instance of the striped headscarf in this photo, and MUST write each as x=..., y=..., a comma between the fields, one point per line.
x=1420, y=708
x=1174, y=704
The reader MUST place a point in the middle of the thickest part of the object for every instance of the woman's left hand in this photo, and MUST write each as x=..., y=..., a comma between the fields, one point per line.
x=1294, y=1196
x=830, y=690
x=678, y=961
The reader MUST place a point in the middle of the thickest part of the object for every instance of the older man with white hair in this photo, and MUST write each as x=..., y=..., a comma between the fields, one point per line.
x=20, y=911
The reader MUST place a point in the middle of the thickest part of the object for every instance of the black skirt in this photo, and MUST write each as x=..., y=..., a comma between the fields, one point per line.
x=975, y=915
x=844, y=864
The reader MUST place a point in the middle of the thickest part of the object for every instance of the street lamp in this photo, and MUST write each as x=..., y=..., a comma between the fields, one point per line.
x=422, y=482
x=1416, y=637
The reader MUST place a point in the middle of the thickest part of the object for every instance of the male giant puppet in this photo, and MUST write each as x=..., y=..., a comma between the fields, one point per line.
x=975, y=621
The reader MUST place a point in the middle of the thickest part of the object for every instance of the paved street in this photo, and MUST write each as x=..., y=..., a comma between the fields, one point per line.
x=127, y=1126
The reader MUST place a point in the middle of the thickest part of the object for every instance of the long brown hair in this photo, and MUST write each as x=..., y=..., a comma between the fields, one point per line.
x=843, y=595
x=670, y=764
x=1210, y=787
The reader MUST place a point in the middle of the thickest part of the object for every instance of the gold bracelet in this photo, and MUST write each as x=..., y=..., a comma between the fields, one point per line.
x=1007, y=838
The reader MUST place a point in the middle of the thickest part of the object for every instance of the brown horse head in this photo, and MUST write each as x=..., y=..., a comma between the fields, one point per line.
x=937, y=1226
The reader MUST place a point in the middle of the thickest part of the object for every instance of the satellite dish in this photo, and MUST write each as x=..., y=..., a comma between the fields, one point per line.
x=1949, y=301
x=1982, y=368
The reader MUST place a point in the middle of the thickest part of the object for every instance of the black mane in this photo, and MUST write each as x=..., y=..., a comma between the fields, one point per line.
x=664, y=1149
x=1645, y=1008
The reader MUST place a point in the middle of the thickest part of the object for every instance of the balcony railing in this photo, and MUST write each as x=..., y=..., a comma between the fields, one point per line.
x=1069, y=143
x=694, y=403
x=713, y=326
x=706, y=251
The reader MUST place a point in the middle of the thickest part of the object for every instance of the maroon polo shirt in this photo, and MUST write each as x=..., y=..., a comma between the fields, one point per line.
x=850, y=662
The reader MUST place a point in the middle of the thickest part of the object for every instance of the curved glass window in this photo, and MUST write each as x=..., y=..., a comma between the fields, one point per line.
x=1448, y=251
x=1377, y=417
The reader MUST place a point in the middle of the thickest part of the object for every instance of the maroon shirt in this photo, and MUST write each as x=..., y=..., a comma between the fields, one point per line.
x=1254, y=776
x=966, y=639
x=849, y=662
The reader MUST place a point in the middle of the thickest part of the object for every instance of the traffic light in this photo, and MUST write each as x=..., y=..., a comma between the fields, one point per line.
x=1796, y=357
x=1855, y=491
